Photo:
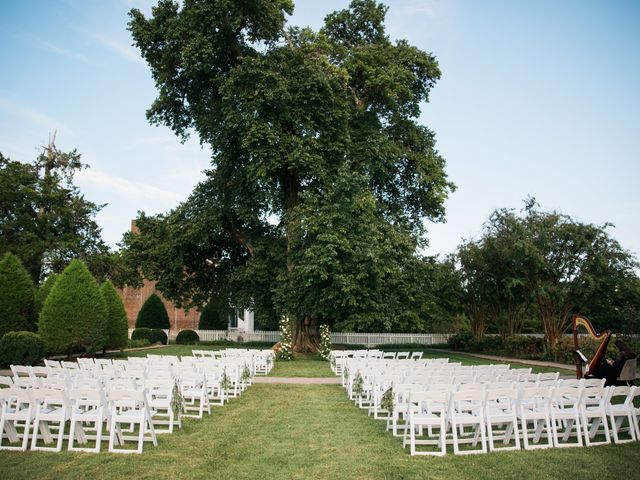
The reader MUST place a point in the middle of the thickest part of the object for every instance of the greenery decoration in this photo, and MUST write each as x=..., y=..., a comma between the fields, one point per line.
x=225, y=381
x=286, y=350
x=117, y=322
x=358, y=385
x=153, y=314
x=387, y=401
x=74, y=315
x=177, y=402
x=325, y=342
x=21, y=348
x=246, y=373
x=17, y=304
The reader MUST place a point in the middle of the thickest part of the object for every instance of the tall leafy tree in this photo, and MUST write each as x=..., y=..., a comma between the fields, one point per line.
x=74, y=316
x=288, y=112
x=44, y=218
x=17, y=304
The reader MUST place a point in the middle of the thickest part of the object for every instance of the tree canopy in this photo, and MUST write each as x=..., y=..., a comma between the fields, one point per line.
x=553, y=266
x=321, y=177
x=44, y=219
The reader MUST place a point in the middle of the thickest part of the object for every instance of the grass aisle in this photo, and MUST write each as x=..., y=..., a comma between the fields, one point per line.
x=304, y=431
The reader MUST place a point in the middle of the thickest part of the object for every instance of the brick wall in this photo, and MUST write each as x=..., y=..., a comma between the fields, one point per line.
x=133, y=298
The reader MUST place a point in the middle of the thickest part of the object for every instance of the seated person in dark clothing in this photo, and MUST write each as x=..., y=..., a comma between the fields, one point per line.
x=610, y=369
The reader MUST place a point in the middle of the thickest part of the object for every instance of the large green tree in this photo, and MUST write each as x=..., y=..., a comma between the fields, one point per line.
x=44, y=218
x=321, y=177
x=117, y=322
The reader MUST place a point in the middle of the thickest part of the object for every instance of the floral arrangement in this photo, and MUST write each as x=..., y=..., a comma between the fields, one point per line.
x=286, y=348
x=325, y=342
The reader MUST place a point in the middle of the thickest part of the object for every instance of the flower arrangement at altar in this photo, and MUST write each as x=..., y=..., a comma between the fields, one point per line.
x=325, y=342
x=286, y=348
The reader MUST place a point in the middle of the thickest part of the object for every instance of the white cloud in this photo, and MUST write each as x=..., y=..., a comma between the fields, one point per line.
x=70, y=54
x=33, y=116
x=134, y=191
x=120, y=48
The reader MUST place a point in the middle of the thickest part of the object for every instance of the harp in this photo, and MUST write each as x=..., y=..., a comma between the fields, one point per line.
x=603, y=337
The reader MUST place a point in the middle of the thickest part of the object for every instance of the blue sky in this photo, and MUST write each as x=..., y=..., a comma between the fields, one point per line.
x=537, y=98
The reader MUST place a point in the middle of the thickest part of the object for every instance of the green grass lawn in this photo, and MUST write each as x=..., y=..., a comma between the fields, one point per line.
x=304, y=431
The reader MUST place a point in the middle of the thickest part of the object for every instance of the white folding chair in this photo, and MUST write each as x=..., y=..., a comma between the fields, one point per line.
x=193, y=388
x=130, y=407
x=619, y=408
x=89, y=406
x=564, y=410
x=427, y=409
x=6, y=382
x=466, y=408
x=593, y=410
x=500, y=410
x=18, y=408
x=533, y=407
x=53, y=407
x=161, y=399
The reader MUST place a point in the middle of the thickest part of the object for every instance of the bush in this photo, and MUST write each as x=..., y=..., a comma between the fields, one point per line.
x=21, y=348
x=187, y=337
x=140, y=343
x=117, y=323
x=17, y=303
x=153, y=314
x=465, y=342
x=43, y=292
x=152, y=335
x=74, y=315
x=214, y=317
x=521, y=346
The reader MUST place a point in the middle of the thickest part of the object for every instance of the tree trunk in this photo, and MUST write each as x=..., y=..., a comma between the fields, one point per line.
x=306, y=335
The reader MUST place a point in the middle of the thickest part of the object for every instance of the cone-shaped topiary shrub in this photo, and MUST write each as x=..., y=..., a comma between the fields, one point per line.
x=21, y=348
x=43, y=292
x=153, y=314
x=214, y=316
x=187, y=337
x=17, y=304
x=117, y=323
x=74, y=315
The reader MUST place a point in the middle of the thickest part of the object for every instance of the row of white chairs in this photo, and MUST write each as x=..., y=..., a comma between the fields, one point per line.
x=506, y=418
x=158, y=392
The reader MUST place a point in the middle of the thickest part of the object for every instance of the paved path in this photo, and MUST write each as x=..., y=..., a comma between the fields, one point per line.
x=299, y=380
x=495, y=358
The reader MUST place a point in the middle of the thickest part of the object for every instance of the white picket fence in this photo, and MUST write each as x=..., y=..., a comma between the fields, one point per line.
x=345, y=338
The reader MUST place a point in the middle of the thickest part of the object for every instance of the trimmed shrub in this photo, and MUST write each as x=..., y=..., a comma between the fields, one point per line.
x=153, y=314
x=43, y=292
x=520, y=346
x=140, y=343
x=74, y=315
x=187, y=337
x=153, y=335
x=117, y=323
x=21, y=348
x=17, y=302
x=214, y=317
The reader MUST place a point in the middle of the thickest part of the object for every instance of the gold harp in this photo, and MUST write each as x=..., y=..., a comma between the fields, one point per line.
x=604, y=337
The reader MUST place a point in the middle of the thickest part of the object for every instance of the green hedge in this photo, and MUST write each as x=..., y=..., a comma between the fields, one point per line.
x=17, y=301
x=153, y=314
x=117, y=323
x=153, y=335
x=74, y=315
x=187, y=337
x=21, y=348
